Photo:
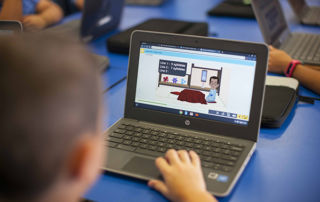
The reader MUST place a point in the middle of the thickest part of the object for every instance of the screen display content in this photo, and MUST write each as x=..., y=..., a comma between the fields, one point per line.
x=196, y=82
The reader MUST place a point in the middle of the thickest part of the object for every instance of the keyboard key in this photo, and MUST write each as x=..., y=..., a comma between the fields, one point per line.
x=135, y=144
x=207, y=164
x=129, y=133
x=125, y=147
x=148, y=152
x=226, y=168
x=130, y=128
x=120, y=131
x=127, y=137
x=161, y=149
x=118, y=135
x=114, y=139
x=127, y=142
x=112, y=144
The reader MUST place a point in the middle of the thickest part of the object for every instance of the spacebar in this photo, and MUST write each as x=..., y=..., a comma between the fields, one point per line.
x=148, y=152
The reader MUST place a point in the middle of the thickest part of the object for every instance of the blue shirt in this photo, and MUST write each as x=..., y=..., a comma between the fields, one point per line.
x=212, y=96
x=28, y=6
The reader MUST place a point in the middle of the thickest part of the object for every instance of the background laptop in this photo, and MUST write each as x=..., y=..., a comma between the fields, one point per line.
x=309, y=15
x=166, y=107
x=301, y=46
x=237, y=8
x=99, y=17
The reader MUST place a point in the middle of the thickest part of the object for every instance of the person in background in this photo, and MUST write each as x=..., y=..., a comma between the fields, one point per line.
x=79, y=4
x=34, y=14
x=51, y=142
x=308, y=75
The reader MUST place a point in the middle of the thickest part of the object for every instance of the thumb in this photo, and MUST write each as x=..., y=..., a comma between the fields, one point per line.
x=159, y=186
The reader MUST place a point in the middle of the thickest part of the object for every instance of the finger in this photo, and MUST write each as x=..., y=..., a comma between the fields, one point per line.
x=195, y=159
x=271, y=47
x=172, y=157
x=159, y=186
x=184, y=156
x=162, y=165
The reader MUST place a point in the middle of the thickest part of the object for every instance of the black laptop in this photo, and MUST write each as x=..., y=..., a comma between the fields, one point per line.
x=309, y=15
x=301, y=46
x=99, y=17
x=235, y=8
x=170, y=104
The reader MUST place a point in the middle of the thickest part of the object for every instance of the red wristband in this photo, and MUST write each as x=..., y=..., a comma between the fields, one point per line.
x=291, y=67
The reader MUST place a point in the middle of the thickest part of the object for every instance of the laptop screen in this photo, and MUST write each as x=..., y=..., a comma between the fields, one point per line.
x=196, y=82
x=271, y=18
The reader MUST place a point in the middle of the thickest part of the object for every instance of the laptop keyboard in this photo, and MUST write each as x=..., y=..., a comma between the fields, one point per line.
x=214, y=154
x=305, y=47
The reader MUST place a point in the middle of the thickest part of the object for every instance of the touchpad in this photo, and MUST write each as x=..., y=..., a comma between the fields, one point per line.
x=142, y=166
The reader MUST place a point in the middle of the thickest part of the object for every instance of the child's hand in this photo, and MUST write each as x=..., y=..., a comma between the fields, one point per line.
x=183, y=179
x=34, y=22
x=278, y=60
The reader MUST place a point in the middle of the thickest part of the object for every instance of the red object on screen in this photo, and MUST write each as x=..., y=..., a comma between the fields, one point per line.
x=192, y=96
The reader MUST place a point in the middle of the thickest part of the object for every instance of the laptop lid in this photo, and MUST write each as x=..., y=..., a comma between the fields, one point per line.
x=100, y=17
x=271, y=20
x=298, y=6
x=198, y=83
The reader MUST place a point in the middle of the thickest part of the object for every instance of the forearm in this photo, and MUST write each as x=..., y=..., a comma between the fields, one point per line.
x=11, y=10
x=51, y=14
x=315, y=67
x=308, y=77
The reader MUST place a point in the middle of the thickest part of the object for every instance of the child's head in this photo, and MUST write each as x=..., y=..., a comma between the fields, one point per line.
x=214, y=82
x=50, y=139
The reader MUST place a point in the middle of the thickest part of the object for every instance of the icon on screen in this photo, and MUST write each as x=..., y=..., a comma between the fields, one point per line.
x=180, y=112
x=186, y=113
x=191, y=113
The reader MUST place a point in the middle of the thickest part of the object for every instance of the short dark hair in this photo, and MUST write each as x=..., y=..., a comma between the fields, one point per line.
x=50, y=96
x=214, y=77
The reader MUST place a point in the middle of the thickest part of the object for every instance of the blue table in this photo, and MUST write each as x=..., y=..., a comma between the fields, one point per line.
x=285, y=164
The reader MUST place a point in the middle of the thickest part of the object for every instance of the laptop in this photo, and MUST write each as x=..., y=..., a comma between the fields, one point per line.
x=168, y=106
x=236, y=8
x=300, y=46
x=309, y=15
x=99, y=17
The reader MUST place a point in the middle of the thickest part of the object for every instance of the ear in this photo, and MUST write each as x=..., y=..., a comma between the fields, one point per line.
x=86, y=159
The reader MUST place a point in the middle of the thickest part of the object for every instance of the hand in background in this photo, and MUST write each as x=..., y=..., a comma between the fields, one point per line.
x=278, y=60
x=34, y=22
x=183, y=178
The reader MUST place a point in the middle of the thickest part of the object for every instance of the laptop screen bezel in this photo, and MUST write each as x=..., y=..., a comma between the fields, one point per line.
x=249, y=132
x=281, y=37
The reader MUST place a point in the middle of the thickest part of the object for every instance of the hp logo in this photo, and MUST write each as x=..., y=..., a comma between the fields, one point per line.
x=187, y=122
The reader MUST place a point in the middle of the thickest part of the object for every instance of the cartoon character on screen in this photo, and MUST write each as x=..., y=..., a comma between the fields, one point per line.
x=214, y=84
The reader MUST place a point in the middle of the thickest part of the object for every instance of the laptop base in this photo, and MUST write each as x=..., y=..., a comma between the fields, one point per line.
x=124, y=158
